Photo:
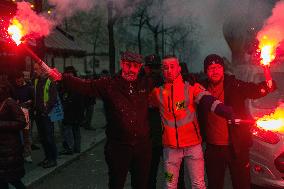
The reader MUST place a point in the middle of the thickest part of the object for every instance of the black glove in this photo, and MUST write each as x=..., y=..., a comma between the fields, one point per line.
x=225, y=112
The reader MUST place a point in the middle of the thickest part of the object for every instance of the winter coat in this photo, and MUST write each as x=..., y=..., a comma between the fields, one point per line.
x=235, y=94
x=12, y=121
x=126, y=105
x=73, y=107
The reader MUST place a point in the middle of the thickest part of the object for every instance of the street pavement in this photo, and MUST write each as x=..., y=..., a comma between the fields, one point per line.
x=88, y=172
x=35, y=174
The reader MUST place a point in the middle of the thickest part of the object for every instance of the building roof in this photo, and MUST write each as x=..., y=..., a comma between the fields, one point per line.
x=61, y=43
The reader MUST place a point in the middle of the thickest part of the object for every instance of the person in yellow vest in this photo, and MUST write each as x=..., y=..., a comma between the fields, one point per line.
x=177, y=101
x=45, y=99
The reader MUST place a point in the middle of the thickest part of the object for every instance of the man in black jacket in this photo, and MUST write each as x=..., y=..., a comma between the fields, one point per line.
x=73, y=107
x=128, y=146
x=228, y=146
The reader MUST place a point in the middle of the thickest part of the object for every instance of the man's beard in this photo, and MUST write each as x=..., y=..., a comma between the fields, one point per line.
x=129, y=76
x=218, y=81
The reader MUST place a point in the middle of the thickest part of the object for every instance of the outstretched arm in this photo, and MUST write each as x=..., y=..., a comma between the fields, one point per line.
x=85, y=87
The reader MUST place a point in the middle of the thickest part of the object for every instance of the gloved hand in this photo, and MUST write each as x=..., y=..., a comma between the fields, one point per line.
x=272, y=86
x=268, y=86
x=225, y=112
x=54, y=74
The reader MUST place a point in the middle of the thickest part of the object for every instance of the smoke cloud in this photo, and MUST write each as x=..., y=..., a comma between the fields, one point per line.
x=39, y=25
x=207, y=16
x=33, y=23
x=67, y=8
x=273, y=28
x=210, y=17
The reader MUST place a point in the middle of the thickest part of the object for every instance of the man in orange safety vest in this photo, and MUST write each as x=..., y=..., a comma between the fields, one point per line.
x=177, y=100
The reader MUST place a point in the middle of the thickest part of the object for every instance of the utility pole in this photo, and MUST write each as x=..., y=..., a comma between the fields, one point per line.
x=163, y=38
x=163, y=32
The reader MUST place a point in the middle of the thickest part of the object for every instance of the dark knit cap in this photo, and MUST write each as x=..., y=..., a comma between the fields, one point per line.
x=212, y=59
x=131, y=57
x=70, y=69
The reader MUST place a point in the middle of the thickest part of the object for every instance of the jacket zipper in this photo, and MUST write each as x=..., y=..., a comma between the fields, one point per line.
x=172, y=90
x=169, y=106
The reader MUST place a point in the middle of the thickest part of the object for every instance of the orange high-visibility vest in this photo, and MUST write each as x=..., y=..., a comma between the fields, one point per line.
x=177, y=103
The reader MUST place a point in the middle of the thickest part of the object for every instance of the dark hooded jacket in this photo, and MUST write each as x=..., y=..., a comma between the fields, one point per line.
x=235, y=94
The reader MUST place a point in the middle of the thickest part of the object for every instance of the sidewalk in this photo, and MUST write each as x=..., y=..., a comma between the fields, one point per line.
x=36, y=174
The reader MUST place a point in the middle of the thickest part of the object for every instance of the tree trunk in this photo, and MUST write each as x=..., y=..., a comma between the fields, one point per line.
x=156, y=40
x=163, y=38
x=110, y=26
x=139, y=39
x=94, y=59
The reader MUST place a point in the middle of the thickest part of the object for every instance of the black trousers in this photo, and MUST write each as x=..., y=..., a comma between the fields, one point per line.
x=157, y=153
x=46, y=133
x=218, y=158
x=122, y=158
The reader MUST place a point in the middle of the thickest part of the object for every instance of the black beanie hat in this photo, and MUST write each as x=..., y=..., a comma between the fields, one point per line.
x=131, y=57
x=70, y=69
x=212, y=59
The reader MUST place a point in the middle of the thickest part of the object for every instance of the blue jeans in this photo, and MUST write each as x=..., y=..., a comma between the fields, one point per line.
x=72, y=136
x=46, y=133
x=193, y=160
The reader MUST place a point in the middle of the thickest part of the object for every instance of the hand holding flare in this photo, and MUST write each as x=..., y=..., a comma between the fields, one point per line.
x=267, y=56
x=17, y=32
x=53, y=73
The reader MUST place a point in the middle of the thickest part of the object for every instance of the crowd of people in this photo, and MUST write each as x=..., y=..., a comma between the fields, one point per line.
x=130, y=98
x=153, y=110
x=28, y=101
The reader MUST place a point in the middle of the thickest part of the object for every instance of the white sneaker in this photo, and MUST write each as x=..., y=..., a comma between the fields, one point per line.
x=28, y=159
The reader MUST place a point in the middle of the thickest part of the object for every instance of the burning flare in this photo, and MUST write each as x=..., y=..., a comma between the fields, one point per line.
x=16, y=31
x=274, y=121
x=28, y=24
x=272, y=34
x=267, y=48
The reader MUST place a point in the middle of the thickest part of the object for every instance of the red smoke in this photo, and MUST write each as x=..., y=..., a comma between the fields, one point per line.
x=273, y=29
x=35, y=25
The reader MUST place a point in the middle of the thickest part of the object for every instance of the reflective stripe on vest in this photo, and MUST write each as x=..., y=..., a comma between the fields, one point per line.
x=45, y=90
x=189, y=115
x=215, y=104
